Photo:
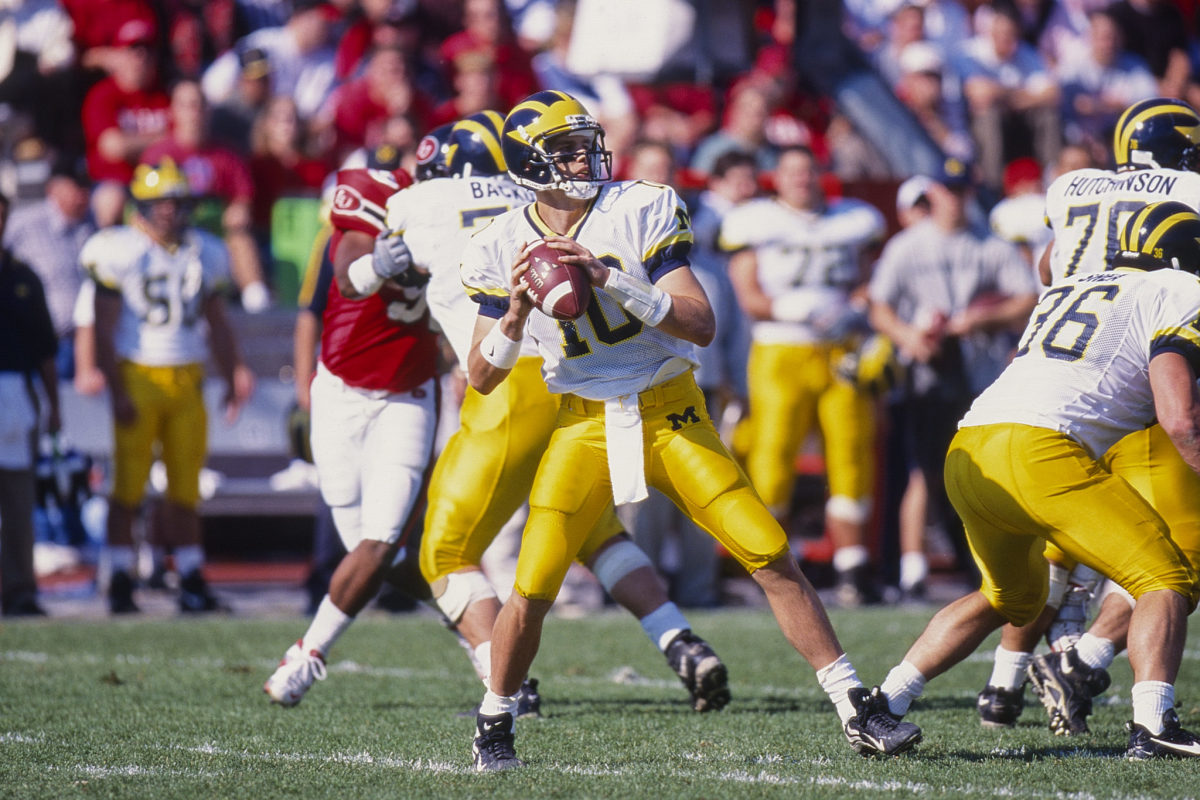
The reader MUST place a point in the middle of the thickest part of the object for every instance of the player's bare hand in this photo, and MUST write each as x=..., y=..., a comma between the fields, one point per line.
x=238, y=392
x=520, y=304
x=575, y=253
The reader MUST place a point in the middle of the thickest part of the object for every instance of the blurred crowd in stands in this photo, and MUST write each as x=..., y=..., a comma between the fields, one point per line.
x=262, y=100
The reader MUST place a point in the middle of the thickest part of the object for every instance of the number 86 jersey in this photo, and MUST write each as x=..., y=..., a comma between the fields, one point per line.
x=1083, y=364
x=163, y=291
x=637, y=226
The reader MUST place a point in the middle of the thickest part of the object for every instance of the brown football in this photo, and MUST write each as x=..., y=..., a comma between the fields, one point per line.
x=558, y=289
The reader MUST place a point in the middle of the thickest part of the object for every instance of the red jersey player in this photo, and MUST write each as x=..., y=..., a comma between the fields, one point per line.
x=374, y=412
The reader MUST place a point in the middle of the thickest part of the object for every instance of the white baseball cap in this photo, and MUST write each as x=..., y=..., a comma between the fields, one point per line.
x=911, y=191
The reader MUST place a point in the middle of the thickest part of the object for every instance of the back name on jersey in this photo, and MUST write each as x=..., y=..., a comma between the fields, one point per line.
x=509, y=191
x=1152, y=182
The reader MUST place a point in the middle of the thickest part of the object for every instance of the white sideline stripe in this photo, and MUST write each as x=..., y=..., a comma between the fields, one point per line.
x=736, y=776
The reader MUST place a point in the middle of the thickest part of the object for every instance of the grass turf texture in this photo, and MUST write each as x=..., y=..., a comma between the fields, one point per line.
x=175, y=709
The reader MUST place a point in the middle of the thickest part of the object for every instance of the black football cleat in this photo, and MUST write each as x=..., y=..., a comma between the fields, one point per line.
x=1066, y=686
x=874, y=730
x=493, y=748
x=1000, y=708
x=701, y=671
x=1173, y=742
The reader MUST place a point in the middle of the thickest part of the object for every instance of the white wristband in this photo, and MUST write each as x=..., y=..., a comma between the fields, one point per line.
x=499, y=350
x=644, y=300
x=363, y=277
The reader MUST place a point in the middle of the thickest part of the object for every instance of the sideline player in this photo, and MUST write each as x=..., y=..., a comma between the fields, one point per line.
x=1105, y=354
x=1157, y=153
x=797, y=258
x=630, y=415
x=158, y=281
x=374, y=413
x=485, y=471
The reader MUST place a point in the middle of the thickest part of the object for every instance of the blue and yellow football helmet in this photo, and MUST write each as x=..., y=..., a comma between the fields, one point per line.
x=473, y=147
x=1160, y=132
x=528, y=144
x=1162, y=235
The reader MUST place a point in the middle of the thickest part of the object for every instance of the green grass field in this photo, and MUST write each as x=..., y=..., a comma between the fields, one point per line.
x=175, y=709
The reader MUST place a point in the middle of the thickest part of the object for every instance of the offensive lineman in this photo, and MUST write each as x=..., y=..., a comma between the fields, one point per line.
x=630, y=415
x=797, y=258
x=374, y=413
x=484, y=474
x=1105, y=354
x=156, y=280
x=1156, y=147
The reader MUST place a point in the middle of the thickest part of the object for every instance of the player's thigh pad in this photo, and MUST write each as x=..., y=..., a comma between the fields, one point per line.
x=690, y=464
x=185, y=436
x=133, y=444
x=847, y=417
x=1011, y=481
x=570, y=494
x=1149, y=462
x=396, y=454
x=784, y=383
x=484, y=473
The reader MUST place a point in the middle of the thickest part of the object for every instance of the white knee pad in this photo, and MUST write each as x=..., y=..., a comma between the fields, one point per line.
x=455, y=593
x=1058, y=585
x=618, y=561
x=847, y=509
x=1108, y=587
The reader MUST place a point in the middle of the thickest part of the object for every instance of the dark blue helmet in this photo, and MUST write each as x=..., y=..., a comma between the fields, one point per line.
x=1160, y=132
x=474, y=146
x=431, y=154
x=1162, y=235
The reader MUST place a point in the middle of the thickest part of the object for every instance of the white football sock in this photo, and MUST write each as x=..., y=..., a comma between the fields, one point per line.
x=902, y=685
x=837, y=679
x=328, y=624
x=1008, y=671
x=1095, y=651
x=914, y=568
x=494, y=704
x=663, y=624
x=1152, y=699
x=482, y=659
x=188, y=559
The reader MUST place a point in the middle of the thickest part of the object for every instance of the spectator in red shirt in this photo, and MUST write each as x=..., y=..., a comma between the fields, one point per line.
x=123, y=115
x=97, y=23
x=221, y=180
x=486, y=29
x=361, y=107
x=280, y=163
x=475, y=88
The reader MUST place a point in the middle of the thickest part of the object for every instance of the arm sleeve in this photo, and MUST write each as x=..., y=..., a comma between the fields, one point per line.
x=668, y=235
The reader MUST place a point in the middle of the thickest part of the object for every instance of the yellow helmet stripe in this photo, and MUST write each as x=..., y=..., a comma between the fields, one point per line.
x=1161, y=229
x=1126, y=127
x=486, y=135
x=1128, y=239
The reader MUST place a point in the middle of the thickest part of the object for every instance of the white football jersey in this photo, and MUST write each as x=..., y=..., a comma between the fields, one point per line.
x=163, y=290
x=437, y=218
x=1085, y=210
x=1083, y=364
x=640, y=227
x=813, y=251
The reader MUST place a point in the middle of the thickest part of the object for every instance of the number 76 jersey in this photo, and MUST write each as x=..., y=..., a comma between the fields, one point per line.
x=1086, y=208
x=1083, y=364
x=636, y=226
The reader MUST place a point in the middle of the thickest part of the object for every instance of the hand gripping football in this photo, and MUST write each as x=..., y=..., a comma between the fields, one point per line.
x=559, y=289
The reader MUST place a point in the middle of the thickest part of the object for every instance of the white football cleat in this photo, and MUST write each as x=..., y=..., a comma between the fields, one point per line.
x=295, y=674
